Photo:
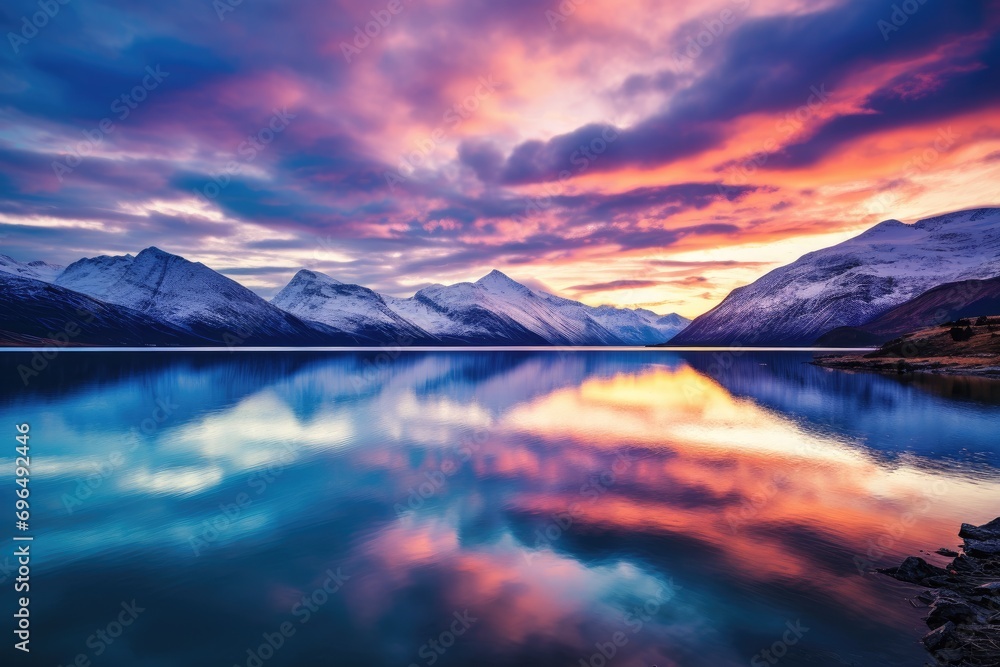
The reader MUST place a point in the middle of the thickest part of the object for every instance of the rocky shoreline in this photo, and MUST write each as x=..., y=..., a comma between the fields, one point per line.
x=986, y=366
x=964, y=599
x=964, y=347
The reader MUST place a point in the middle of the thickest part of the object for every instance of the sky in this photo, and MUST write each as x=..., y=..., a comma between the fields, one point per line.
x=654, y=154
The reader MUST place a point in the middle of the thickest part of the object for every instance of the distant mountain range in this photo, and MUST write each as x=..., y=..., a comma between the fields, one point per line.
x=156, y=298
x=889, y=280
x=854, y=283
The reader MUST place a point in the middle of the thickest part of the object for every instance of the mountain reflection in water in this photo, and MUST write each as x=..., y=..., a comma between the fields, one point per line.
x=555, y=507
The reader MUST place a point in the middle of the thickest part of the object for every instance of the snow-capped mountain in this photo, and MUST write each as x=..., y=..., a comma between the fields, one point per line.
x=178, y=299
x=37, y=270
x=853, y=282
x=317, y=297
x=95, y=276
x=498, y=310
x=464, y=313
x=192, y=296
x=627, y=326
x=40, y=313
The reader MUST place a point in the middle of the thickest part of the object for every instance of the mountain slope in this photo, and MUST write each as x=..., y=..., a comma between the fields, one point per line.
x=463, y=314
x=314, y=309
x=195, y=298
x=496, y=310
x=36, y=270
x=627, y=326
x=853, y=282
x=944, y=303
x=39, y=313
x=319, y=298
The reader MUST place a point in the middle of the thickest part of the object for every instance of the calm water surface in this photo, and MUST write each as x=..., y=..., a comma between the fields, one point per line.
x=487, y=508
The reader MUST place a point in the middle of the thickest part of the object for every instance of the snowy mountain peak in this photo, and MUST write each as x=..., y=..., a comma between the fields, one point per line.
x=317, y=297
x=494, y=310
x=152, y=253
x=37, y=270
x=497, y=281
x=886, y=226
x=959, y=220
x=853, y=282
x=314, y=276
x=184, y=293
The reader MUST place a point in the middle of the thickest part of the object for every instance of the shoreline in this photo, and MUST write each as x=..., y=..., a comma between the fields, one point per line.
x=963, y=598
x=979, y=367
x=967, y=346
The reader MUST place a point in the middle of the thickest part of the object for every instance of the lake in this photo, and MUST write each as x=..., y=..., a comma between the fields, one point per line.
x=636, y=507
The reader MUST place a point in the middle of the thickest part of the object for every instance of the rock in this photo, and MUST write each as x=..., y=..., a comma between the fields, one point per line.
x=964, y=600
x=943, y=612
x=987, y=531
x=947, y=552
x=949, y=656
x=982, y=541
x=915, y=570
x=963, y=564
x=941, y=637
x=983, y=548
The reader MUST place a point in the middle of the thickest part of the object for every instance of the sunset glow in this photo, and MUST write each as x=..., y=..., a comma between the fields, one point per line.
x=652, y=154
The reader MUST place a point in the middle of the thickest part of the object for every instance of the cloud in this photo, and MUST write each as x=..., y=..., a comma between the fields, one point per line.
x=594, y=150
x=615, y=285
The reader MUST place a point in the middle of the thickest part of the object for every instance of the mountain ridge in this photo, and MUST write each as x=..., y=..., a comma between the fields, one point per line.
x=317, y=309
x=852, y=282
x=192, y=296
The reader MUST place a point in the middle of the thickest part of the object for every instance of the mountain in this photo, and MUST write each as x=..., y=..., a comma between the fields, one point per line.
x=181, y=300
x=496, y=310
x=36, y=270
x=944, y=303
x=853, y=282
x=465, y=313
x=38, y=313
x=628, y=326
x=195, y=298
x=317, y=297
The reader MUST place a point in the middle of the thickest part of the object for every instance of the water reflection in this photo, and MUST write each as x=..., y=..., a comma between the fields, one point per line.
x=666, y=508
